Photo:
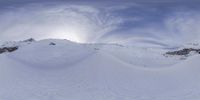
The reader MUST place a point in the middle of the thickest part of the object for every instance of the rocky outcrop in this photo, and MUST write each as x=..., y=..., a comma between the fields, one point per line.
x=52, y=43
x=184, y=52
x=29, y=40
x=13, y=45
x=7, y=49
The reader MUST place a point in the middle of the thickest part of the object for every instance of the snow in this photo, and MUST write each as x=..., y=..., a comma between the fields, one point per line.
x=72, y=71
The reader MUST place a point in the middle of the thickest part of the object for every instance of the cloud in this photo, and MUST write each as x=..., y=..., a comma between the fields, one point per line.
x=173, y=28
x=80, y=23
x=184, y=25
x=127, y=22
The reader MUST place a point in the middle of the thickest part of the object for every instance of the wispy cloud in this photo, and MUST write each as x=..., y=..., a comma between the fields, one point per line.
x=81, y=23
x=171, y=23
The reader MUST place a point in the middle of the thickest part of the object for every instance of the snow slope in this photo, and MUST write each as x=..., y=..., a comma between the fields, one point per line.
x=71, y=71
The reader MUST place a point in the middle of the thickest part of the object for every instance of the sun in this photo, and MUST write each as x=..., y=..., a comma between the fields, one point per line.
x=69, y=35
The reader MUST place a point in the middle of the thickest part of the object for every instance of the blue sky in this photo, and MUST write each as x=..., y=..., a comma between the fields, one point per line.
x=172, y=21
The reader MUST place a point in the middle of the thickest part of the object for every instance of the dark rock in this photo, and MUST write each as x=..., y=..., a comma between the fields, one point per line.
x=29, y=40
x=52, y=43
x=7, y=49
x=184, y=51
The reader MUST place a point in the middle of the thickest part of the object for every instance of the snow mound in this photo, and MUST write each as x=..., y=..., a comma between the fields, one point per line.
x=51, y=53
x=62, y=70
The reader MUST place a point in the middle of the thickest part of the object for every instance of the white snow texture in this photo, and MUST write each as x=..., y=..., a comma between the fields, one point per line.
x=72, y=71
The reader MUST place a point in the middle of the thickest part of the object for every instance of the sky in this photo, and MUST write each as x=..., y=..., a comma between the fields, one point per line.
x=170, y=22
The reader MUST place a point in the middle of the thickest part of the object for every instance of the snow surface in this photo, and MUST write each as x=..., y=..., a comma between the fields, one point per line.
x=72, y=71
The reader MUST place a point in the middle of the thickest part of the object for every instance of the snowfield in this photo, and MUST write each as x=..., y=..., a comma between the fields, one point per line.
x=62, y=70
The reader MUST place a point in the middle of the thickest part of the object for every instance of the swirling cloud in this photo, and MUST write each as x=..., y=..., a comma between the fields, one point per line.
x=161, y=23
x=79, y=23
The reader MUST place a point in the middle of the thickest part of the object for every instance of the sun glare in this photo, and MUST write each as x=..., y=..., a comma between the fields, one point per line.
x=71, y=36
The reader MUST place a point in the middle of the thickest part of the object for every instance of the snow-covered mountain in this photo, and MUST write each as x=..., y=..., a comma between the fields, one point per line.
x=63, y=70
